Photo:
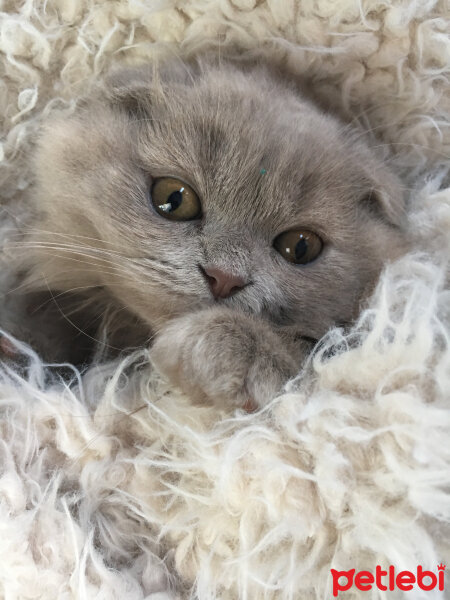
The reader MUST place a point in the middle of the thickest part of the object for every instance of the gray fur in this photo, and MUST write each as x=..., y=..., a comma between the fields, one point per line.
x=214, y=126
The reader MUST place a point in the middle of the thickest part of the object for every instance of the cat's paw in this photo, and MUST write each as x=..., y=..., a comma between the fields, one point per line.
x=226, y=357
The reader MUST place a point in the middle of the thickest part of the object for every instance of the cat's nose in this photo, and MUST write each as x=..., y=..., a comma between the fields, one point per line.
x=222, y=283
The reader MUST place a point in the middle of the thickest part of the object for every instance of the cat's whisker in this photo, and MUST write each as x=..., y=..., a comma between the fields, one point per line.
x=94, y=252
x=362, y=131
x=27, y=228
x=70, y=248
x=138, y=272
x=413, y=145
x=355, y=135
x=48, y=244
x=24, y=242
x=102, y=343
x=25, y=286
x=112, y=269
x=68, y=292
x=78, y=252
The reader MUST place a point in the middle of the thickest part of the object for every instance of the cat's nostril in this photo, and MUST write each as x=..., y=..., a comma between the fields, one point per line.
x=222, y=283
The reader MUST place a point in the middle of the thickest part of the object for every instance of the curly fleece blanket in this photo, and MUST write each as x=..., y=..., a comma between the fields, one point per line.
x=117, y=486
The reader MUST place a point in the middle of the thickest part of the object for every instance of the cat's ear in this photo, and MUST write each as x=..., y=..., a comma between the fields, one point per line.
x=386, y=198
x=386, y=206
x=130, y=89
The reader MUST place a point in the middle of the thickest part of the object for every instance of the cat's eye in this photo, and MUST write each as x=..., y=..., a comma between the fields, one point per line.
x=175, y=200
x=298, y=246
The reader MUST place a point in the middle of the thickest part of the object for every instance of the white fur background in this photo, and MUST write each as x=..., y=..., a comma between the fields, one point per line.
x=351, y=466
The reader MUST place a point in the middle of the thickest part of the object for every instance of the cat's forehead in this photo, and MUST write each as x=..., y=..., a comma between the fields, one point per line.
x=246, y=146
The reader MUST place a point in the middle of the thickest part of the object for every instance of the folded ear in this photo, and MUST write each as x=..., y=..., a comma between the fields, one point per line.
x=393, y=204
x=130, y=89
x=387, y=204
x=136, y=89
x=386, y=197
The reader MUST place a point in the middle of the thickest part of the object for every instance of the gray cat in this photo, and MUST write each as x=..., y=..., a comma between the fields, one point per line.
x=214, y=209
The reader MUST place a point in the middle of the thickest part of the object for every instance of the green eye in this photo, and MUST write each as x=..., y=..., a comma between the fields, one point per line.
x=175, y=200
x=299, y=246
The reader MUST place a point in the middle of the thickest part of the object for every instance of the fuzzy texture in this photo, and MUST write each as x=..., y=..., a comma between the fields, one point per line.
x=121, y=487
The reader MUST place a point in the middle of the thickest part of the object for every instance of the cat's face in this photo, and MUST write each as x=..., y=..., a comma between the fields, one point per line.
x=255, y=160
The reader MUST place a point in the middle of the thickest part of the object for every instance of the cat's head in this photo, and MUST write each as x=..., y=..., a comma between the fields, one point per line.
x=202, y=183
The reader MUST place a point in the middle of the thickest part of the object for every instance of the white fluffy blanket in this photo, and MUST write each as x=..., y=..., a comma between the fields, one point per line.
x=119, y=487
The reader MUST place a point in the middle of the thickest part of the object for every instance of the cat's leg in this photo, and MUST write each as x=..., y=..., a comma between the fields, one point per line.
x=227, y=357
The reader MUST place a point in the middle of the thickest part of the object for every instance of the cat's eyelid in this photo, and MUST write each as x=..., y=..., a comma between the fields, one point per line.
x=305, y=225
x=183, y=178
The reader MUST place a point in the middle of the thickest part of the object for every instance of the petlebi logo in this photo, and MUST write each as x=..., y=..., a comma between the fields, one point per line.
x=388, y=580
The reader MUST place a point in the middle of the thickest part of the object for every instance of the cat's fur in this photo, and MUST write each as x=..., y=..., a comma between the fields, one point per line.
x=215, y=126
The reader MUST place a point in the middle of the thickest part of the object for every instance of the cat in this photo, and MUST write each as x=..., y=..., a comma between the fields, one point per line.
x=216, y=212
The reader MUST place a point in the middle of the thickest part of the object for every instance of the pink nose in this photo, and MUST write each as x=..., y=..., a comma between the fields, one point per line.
x=222, y=284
